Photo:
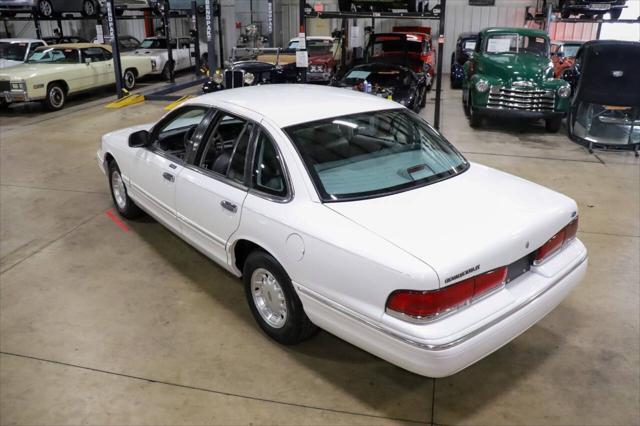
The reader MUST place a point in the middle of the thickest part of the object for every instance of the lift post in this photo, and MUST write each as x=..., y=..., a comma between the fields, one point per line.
x=167, y=35
x=436, y=112
x=301, y=51
x=115, y=48
x=195, y=35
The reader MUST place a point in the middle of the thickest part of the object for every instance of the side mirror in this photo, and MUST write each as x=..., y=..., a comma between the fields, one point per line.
x=139, y=139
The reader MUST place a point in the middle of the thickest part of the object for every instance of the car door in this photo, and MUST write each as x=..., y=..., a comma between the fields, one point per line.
x=210, y=192
x=155, y=169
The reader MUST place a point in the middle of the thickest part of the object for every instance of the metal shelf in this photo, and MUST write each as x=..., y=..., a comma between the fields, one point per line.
x=373, y=15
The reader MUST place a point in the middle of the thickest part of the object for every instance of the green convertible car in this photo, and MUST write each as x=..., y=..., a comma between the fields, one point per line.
x=510, y=74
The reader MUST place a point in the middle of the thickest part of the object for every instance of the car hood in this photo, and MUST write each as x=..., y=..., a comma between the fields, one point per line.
x=510, y=67
x=320, y=58
x=6, y=63
x=482, y=217
x=26, y=71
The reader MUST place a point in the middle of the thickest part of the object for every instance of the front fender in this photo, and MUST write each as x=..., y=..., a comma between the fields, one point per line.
x=561, y=104
x=481, y=99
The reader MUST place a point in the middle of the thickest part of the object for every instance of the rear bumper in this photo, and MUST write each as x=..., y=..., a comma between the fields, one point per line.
x=445, y=356
x=516, y=113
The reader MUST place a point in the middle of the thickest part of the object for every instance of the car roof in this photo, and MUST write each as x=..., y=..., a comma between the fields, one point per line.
x=289, y=104
x=521, y=31
x=468, y=35
x=19, y=40
x=76, y=46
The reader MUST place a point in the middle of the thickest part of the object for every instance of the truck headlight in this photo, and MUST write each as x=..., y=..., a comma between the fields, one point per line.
x=217, y=77
x=564, y=91
x=249, y=78
x=19, y=85
x=482, y=86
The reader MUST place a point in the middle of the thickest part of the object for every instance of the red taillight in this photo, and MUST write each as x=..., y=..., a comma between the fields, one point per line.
x=421, y=304
x=556, y=242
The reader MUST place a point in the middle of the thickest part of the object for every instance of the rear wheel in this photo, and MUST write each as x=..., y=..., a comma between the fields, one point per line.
x=344, y=5
x=553, y=124
x=45, y=8
x=129, y=79
x=56, y=97
x=273, y=300
x=89, y=8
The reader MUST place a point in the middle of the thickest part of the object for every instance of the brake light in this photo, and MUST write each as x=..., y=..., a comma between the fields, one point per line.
x=426, y=304
x=556, y=242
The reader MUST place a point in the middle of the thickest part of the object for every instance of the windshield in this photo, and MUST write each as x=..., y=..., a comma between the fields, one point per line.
x=156, y=43
x=373, y=154
x=50, y=55
x=571, y=50
x=382, y=77
x=516, y=43
x=13, y=51
x=315, y=47
x=469, y=44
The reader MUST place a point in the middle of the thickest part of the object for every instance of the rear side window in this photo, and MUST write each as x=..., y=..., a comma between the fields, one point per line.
x=268, y=173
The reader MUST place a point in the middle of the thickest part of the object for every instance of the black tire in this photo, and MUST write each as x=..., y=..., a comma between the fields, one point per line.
x=45, y=9
x=565, y=13
x=423, y=99
x=475, y=120
x=119, y=12
x=89, y=8
x=4, y=104
x=553, y=124
x=344, y=5
x=615, y=14
x=412, y=6
x=296, y=326
x=123, y=204
x=166, y=72
x=129, y=79
x=6, y=14
x=56, y=97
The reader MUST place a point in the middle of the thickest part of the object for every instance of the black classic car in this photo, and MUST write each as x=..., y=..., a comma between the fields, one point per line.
x=588, y=8
x=389, y=81
x=465, y=46
x=605, y=109
x=251, y=67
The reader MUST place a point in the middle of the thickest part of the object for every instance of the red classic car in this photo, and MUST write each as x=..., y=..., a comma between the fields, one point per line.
x=324, y=56
x=407, y=46
x=563, y=54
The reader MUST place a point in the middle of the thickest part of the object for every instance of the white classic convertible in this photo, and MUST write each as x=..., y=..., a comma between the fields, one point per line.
x=349, y=212
x=182, y=50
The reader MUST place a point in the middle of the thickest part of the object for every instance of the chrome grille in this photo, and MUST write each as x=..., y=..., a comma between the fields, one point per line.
x=5, y=86
x=522, y=99
x=233, y=79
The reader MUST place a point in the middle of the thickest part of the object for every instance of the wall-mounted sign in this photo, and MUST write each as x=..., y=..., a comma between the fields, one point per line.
x=482, y=2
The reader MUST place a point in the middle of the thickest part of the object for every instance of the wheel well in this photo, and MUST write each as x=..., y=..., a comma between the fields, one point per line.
x=63, y=83
x=135, y=71
x=241, y=251
x=108, y=159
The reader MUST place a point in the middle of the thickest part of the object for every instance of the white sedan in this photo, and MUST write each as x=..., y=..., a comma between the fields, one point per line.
x=350, y=213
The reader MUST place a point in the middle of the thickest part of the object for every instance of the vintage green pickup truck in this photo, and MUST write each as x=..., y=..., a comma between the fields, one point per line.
x=511, y=74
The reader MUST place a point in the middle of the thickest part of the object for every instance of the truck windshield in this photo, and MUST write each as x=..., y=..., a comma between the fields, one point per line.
x=373, y=154
x=516, y=43
x=13, y=51
x=50, y=55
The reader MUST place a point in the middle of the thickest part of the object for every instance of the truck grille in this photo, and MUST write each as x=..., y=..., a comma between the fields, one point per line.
x=522, y=99
x=5, y=86
x=233, y=79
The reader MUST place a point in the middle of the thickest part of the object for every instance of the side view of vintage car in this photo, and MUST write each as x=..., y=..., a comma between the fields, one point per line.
x=182, y=49
x=393, y=82
x=51, y=8
x=563, y=53
x=253, y=67
x=53, y=73
x=589, y=8
x=605, y=108
x=511, y=75
x=410, y=49
x=15, y=51
x=324, y=56
x=465, y=45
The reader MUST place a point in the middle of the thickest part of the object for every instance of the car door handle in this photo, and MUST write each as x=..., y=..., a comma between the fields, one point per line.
x=229, y=206
x=168, y=176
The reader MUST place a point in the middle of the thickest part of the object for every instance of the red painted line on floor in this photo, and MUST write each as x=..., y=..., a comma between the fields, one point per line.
x=111, y=215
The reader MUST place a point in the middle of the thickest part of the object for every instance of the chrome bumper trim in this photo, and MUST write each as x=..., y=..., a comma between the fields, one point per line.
x=443, y=346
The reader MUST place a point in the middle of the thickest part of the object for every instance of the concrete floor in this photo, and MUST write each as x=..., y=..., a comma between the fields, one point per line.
x=100, y=325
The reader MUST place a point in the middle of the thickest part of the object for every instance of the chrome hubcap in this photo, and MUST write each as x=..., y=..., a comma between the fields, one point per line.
x=56, y=97
x=119, y=192
x=88, y=8
x=45, y=8
x=268, y=298
x=129, y=79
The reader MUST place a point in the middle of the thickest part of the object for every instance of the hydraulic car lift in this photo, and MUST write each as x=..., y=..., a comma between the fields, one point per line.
x=440, y=17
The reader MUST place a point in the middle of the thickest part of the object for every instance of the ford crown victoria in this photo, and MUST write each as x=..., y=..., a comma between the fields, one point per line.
x=349, y=212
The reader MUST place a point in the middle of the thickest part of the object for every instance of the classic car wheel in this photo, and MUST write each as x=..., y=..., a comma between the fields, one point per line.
x=125, y=205
x=129, y=79
x=273, y=301
x=553, y=124
x=423, y=99
x=45, y=8
x=88, y=8
x=474, y=119
x=56, y=97
x=344, y=5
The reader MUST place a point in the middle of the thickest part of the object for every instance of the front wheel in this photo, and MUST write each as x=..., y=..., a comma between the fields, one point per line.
x=273, y=300
x=553, y=124
x=125, y=205
x=56, y=97
x=45, y=8
x=89, y=8
x=129, y=79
